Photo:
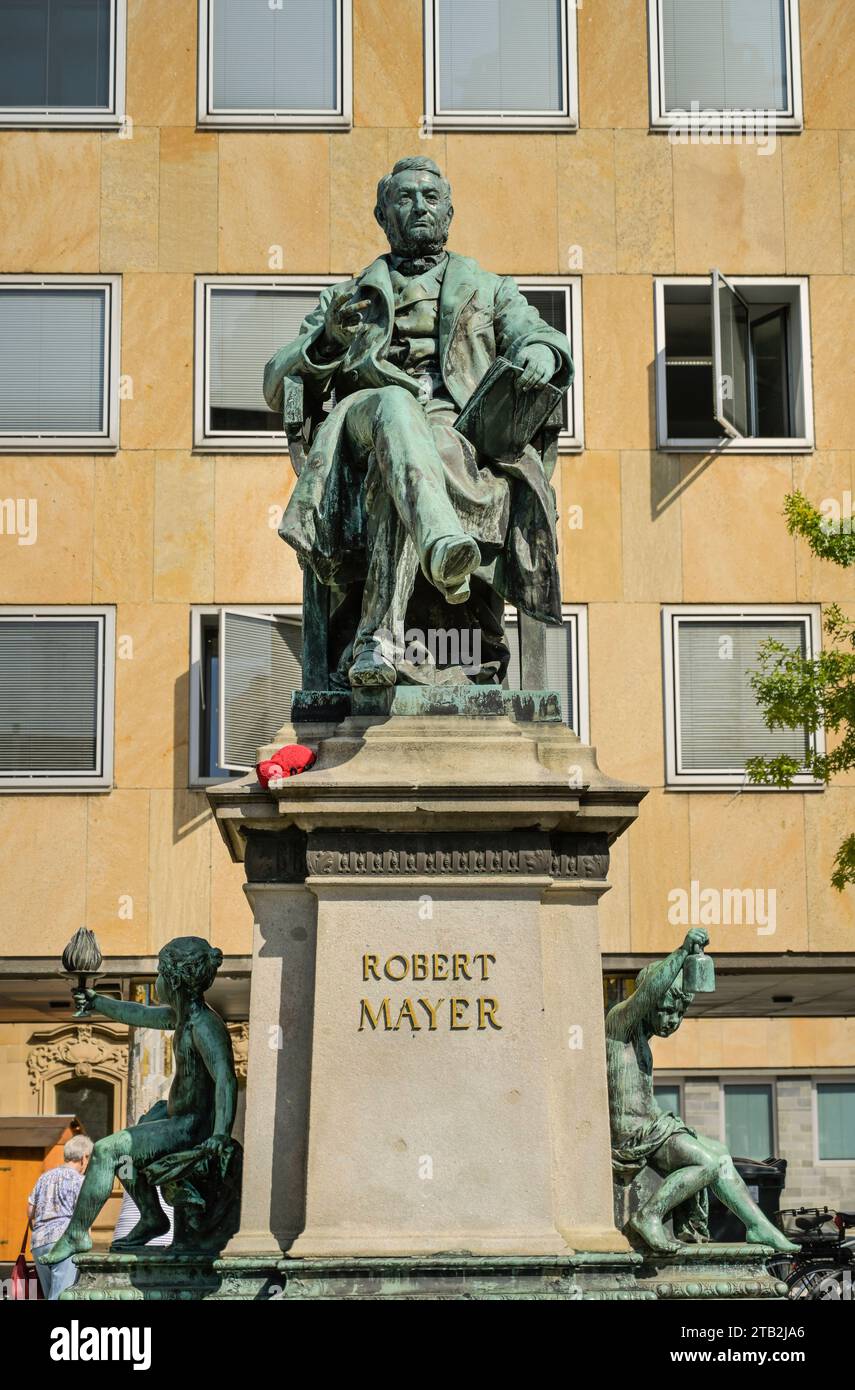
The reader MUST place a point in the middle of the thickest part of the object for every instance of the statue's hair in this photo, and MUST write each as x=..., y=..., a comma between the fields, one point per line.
x=413, y=161
x=190, y=963
x=677, y=993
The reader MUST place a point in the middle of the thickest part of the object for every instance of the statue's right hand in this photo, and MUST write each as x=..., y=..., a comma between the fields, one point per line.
x=698, y=936
x=343, y=318
x=85, y=1000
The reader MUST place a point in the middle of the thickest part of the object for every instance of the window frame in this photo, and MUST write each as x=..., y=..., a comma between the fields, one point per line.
x=225, y=441
x=199, y=612
x=575, y=618
x=733, y=122
x=436, y=118
x=810, y=615
x=677, y=1082
x=81, y=117
x=827, y=1079
x=217, y=118
x=107, y=441
x=571, y=285
x=797, y=289
x=748, y=1079
x=102, y=779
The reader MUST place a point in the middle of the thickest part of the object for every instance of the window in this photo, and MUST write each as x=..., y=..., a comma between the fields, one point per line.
x=244, y=661
x=56, y=698
x=559, y=302
x=240, y=323
x=733, y=362
x=566, y=664
x=667, y=1097
x=748, y=1121
x=264, y=64
x=713, y=722
x=714, y=61
x=59, y=363
x=92, y=1100
x=507, y=64
x=835, y=1121
x=62, y=62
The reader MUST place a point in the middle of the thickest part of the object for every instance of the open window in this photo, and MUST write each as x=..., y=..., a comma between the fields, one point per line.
x=733, y=364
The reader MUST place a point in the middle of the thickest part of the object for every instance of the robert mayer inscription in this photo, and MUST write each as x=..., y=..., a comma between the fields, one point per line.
x=456, y=1012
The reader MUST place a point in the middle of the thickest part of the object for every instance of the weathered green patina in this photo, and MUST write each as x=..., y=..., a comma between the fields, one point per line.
x=182, y=1145
x=399, y=521
x=644, y=1135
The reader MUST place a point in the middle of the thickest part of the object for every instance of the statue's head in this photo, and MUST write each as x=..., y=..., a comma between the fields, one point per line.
x=666, y=1019
x=414, y=207
x=186, y=966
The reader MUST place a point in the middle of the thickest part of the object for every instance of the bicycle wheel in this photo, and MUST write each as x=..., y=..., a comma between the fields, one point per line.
x=816, y=1282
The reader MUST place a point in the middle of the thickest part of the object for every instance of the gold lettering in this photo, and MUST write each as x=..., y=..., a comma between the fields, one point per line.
x=431, y=1011
x=408, y=1012
x=484, y=956
x=369, y=967
x=436, y=973
x=387, y=971
x=487, y=1009
x=420, y=968
x=460, y=967
x=457, y=1006
x=365, y=1012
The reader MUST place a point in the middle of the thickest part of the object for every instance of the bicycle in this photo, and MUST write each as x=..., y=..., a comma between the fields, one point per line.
x=825, y=1265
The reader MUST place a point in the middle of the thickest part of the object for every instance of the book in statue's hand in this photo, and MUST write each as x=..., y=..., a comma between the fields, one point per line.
x=499, y=418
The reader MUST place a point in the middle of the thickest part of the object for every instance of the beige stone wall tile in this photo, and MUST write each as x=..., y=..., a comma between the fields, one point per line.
x=56, y=500
x=619, y=391
x=162, y=62
x=828, y=59
x=753, y=841
x=846, y=140
x=124, y=528
x=626, y=713
x=357, y=163
x=250, y=495
x=44, y=873
x=824, y=477
x=388, y=67
x=829, y=818
x=152, y=695
x=501, y=187
x=188, y=200
x=832, y=315
x=50, y=193
x=589, y=527
x=658, y=862
x=587, y=238
x=274, y=192
x=832, y=1040
x=737, y=549
x=231, y=915
x=644, y=197
x=117, y=871
x=812, y=211
x=728, y=210
x=651, y=533
x=697, y=1041
x=130, y=173
x=157, y=355
x=184, y=529
x=179, y=866
x=613, y=71
x=405, y=141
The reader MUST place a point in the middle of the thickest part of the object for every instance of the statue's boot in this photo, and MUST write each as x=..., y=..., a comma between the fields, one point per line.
x=452, y=561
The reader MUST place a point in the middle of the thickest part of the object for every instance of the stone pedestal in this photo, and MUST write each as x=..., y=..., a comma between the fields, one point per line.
x=426, y=1067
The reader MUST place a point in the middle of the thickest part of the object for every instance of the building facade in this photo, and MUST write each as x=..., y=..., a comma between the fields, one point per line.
x=178, y=181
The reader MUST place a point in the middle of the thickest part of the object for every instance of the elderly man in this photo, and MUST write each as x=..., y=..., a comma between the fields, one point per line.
x=50, y=1207
x=392, y=493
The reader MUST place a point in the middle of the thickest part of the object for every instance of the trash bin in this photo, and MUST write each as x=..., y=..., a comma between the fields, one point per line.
x=765, y=1181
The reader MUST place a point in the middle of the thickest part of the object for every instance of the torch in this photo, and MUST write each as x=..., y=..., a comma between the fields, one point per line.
x=82, y=957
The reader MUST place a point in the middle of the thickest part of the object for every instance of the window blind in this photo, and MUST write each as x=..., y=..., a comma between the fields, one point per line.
x=247, y=327
x=500, y=55
x=261, y=669
x=52, y=360
x=720, y=722
x=559, y=664
x=55, y=53
x=725, y=55
x=835, y=1104
x=282, y=59
x=748, y=1121
x=49, y=682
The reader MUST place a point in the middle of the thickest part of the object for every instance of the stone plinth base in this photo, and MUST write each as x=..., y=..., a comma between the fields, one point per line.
x=712, y=1272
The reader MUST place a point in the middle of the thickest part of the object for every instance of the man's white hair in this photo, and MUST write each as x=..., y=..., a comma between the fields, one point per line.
x=77, y=1148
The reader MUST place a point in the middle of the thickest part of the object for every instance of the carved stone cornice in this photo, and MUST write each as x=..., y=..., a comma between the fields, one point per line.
x=239, y=1034
x=78, y=1049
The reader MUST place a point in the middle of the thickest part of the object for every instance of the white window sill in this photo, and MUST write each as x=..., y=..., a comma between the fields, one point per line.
x=268, y=120
x=511, y=122
x=65, y=120
x=736, y=446
x=737, y=782
x=714, y=123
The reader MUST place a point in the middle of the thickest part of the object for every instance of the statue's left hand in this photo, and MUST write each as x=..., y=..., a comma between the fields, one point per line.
x=538, y=364
x=217, y=1143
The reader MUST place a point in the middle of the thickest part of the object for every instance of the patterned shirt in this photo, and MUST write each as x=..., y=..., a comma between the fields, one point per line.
x=52, y=1200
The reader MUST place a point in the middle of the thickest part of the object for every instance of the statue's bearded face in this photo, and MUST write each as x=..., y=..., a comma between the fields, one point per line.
x=416, y=213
